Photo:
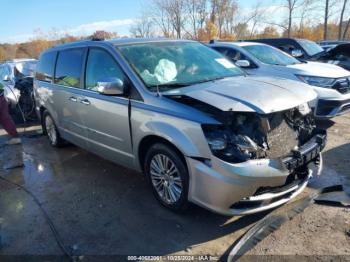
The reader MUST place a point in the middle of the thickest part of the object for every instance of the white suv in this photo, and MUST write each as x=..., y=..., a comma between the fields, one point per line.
x=331, y=82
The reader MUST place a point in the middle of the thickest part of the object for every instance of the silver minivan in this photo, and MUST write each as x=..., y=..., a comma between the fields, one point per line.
x=190, y=120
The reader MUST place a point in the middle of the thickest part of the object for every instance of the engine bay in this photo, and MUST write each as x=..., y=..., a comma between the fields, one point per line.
x=249, y=135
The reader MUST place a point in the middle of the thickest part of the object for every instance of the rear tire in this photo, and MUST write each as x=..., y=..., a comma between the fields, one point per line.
x=168, y=176
x=50, y=128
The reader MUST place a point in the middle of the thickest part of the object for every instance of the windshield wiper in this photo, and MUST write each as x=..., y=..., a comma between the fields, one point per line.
x=215, y=78
x=209, y=80
x=168, y=86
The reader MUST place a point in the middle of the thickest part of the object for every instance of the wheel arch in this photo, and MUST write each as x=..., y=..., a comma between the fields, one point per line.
x=187, y=139
x=150, y=140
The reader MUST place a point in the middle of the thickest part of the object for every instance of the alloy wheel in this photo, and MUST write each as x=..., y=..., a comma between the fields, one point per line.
x=166, y=178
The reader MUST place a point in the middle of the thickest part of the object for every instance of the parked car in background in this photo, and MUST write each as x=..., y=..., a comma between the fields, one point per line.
x=329, y=44
x=307, y=50
x=299, y=48
x=331, y=82
x=181, y=113
x=17, y=77
x=338, y=55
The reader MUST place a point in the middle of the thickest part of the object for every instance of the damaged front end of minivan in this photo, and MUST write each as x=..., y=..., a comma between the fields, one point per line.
x=260, y=160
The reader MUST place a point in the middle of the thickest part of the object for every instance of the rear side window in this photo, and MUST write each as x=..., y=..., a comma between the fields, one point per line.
x=45, y=67
x=68, y=67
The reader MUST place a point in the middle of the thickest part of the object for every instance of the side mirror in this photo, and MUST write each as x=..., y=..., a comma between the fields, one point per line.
x=297, y=53
x=242, y=63
x=6, y=78
x=111, y=87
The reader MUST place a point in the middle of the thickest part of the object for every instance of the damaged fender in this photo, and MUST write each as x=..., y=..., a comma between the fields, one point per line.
x=183, y=141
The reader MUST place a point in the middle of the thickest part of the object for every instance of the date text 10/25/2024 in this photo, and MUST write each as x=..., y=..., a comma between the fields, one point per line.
x=173, y=258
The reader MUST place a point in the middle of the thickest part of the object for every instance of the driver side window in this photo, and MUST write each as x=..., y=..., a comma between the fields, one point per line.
x=101, y=67
x=287, y=48
x=234, y=55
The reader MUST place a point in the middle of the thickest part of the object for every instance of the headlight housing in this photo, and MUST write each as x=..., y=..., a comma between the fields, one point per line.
x=228, y=146
x=317, y=81
x=217, y=144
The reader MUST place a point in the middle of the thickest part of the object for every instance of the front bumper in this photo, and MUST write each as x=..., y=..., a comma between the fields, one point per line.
x=331, y=102
x=331, y=108
x=233, y=189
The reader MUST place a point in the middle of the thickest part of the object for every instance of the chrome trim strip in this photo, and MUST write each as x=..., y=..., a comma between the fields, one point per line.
x=268, y=196
x=247, y=211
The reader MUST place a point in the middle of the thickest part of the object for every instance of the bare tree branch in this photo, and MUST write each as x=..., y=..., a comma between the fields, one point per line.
x=341, y=19
x=144, y=27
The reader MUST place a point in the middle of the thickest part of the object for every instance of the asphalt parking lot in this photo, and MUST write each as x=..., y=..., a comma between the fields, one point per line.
x=100, y=208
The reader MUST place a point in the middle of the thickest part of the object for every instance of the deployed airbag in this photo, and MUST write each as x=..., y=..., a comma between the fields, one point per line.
x=164, y=72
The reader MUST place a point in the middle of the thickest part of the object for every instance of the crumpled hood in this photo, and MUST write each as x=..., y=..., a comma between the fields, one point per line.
x=319, y=69
x=263, y=95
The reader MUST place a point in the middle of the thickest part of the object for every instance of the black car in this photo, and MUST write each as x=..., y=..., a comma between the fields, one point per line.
x=304, y=49
x=329, y=44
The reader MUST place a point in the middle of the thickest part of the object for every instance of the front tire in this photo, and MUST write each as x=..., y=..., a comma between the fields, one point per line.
x=167, y=174
x=51, y=130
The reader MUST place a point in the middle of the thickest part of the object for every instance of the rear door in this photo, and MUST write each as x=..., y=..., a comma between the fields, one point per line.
x=106, y=117
x=67, y=93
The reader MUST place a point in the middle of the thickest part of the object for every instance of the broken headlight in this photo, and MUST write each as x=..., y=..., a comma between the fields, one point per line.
x=217, y=144
x=304, y=109
x=317, y=81
x=228, y=146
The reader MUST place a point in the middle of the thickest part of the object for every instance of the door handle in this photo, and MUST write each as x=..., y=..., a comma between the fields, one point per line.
x=85, y=102
x=73, y=99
